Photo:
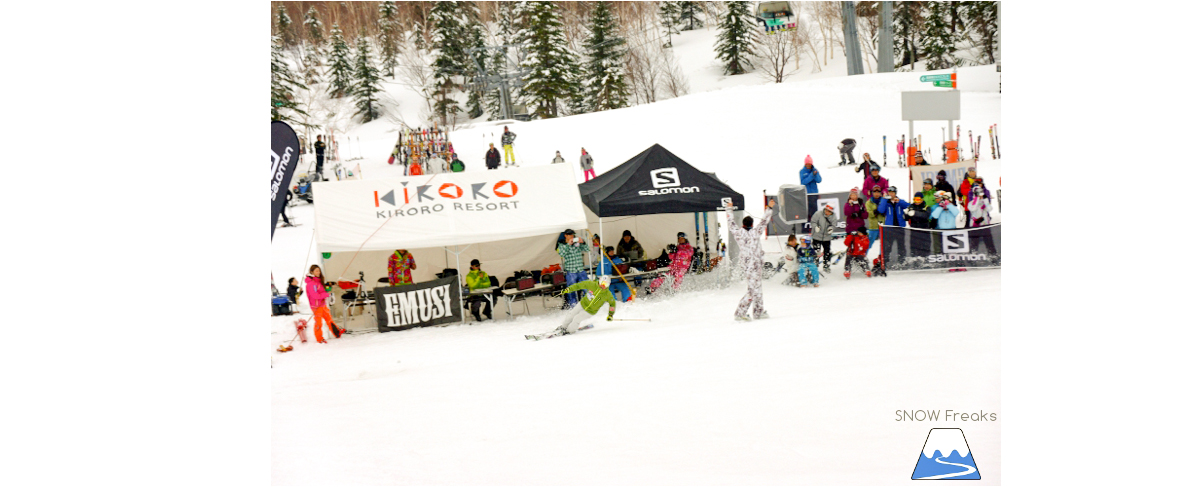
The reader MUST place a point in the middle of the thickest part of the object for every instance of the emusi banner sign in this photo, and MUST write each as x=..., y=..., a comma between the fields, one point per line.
x=911, y=249
x=420, y=304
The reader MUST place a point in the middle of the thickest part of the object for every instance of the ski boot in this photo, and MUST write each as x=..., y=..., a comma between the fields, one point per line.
x=868, y=273
x=763, y=316
x=741, y=318
x=847, y=274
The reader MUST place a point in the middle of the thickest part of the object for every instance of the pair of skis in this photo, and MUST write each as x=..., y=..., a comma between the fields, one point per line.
x=556, y=333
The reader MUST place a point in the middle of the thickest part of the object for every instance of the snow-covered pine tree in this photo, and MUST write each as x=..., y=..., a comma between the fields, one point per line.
x=668, y=18
x=981, y=21
x=474, y=61
x=551, y=65
x=937, y=42
x=366, y=81
x=906, y=23
x=389, y=38
x=283, y=27
x=605, y=85
x=282, y=85
x=689, y=15
x=314, y=27
x=313, y=50
x=340, y=73
x=417, y=35
x=447, y=19
x=736, y=40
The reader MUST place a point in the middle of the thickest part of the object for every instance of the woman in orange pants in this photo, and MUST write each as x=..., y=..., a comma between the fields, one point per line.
x=316, y=301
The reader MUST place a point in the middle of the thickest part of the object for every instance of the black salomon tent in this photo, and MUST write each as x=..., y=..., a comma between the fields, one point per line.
x=655, y=181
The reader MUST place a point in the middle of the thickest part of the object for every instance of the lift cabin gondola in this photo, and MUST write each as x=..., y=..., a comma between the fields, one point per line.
x=776, y=16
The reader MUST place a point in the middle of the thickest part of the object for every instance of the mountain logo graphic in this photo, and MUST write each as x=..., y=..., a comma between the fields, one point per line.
x=946, y=456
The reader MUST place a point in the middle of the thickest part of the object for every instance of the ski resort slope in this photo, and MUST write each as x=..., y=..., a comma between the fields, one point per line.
x=754, y=137
x=807, y=397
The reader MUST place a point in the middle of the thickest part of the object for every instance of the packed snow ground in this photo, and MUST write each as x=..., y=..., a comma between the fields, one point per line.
x=809, y=396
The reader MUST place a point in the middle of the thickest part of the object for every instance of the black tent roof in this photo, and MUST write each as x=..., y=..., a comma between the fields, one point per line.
x=655, y=181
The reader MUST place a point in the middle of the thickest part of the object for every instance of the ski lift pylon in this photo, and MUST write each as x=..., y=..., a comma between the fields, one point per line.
x=776, y=16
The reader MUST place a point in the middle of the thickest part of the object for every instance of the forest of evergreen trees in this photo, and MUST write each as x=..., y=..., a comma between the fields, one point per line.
x=564, y=58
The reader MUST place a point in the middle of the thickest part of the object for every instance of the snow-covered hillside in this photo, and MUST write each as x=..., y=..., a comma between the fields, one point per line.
x=690, y=397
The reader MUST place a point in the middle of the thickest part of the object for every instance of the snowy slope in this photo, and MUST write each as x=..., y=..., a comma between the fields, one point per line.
x=806, y=397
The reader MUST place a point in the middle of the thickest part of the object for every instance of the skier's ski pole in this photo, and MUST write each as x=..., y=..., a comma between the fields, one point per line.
x=631, y=319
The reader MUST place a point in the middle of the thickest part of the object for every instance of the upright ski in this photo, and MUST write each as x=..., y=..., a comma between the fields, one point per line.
x=997, y=140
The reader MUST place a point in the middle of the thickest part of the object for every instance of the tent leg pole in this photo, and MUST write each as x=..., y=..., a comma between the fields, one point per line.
x=458, y=274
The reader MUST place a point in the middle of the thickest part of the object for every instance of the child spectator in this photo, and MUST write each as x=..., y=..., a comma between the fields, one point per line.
x=822, y=233
x=856, y=251
x=807, y=259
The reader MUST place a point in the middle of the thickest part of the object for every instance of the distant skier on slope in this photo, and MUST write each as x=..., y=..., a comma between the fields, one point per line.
x=846, y=148
x=506, y=140
x=751, y=256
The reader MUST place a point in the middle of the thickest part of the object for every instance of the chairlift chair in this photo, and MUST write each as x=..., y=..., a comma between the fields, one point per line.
x=776, y=16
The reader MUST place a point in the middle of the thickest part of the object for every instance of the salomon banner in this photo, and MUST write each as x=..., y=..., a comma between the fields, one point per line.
x=838, y=200
x=285, y=156
x=915, y=249
x=421, y=304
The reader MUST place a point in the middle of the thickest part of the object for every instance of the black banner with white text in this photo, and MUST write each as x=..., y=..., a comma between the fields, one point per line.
x=420, y=304
x=909, y=249
x=285, y=156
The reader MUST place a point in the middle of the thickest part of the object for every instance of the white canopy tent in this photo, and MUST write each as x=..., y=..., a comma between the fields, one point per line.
x=507, y=219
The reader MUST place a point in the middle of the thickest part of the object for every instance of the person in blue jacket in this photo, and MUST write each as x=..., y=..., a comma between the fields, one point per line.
x=893, y=208
x=809, y=177
x=605, y=268
x=945, y=213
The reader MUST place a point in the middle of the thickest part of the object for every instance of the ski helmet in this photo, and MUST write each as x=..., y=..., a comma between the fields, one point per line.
x=929, y=181
x=605, y=281
x=874, y=167
x=681, y=235
x=891, y=189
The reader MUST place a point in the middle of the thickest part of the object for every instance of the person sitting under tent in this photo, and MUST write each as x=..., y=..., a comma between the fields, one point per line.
x=478, y=279
x=606, y=267
x=629, y=244
x=681, y=261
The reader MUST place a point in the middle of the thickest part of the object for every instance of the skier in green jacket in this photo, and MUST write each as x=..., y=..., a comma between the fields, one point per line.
x=597, y=295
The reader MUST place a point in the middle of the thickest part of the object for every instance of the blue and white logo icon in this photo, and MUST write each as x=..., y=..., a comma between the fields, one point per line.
x=946, y=456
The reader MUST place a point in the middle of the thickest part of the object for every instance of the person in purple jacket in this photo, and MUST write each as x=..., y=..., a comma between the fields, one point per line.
x=873, y=180
x=855, y=210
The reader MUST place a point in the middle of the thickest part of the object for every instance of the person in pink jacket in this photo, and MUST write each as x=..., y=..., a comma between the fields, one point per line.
x=681, y=261
x=316, y=300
